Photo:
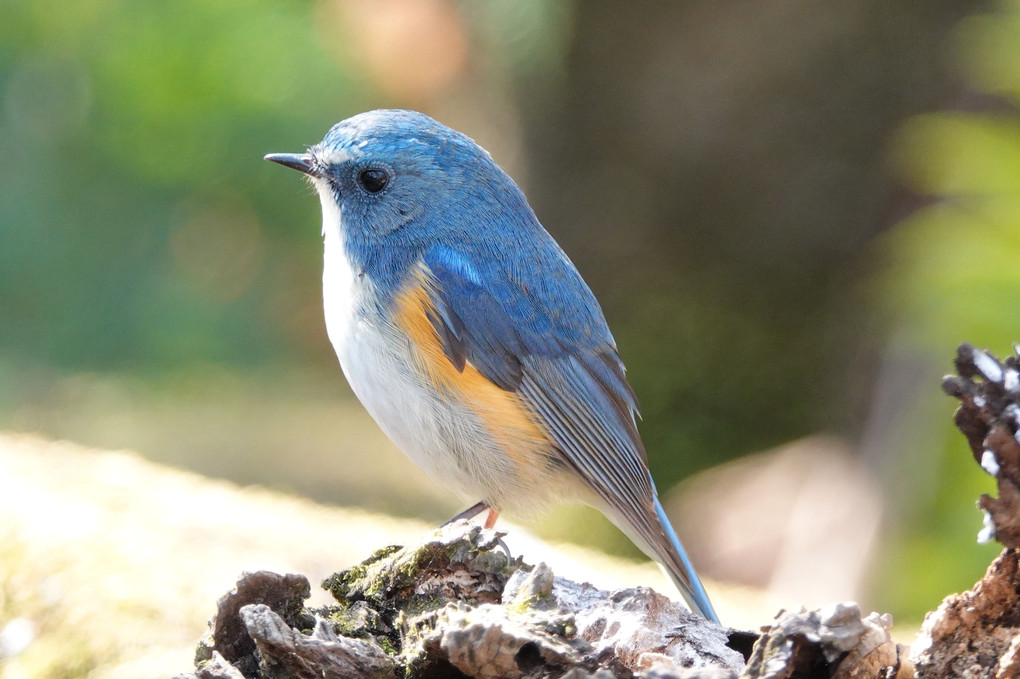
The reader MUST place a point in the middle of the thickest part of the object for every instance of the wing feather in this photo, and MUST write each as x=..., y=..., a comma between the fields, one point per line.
x=570, y=376
x=608, y=461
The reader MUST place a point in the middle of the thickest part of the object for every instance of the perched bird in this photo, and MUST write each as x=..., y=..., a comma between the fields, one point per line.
x=470, y=337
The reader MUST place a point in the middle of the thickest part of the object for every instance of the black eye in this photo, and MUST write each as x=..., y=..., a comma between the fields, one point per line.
x=373, y=179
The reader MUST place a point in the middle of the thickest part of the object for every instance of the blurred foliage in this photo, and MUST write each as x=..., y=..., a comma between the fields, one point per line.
x=717, y=170
x=953, y=269
x=952, y=276
x=140, y=229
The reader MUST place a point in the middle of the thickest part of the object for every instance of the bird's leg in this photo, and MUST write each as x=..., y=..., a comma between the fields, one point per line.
x=490, y=520
x=470, y=513
x=473, y=511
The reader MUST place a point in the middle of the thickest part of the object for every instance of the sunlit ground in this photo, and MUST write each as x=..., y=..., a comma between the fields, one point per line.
x=300, y=433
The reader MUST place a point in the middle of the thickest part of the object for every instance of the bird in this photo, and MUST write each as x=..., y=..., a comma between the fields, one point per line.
x=471, y=338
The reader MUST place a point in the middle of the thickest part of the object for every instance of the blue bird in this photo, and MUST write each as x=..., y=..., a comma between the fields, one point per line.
x=470, y=337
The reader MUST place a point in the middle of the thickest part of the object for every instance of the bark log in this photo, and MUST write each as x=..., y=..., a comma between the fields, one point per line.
x=457, y=605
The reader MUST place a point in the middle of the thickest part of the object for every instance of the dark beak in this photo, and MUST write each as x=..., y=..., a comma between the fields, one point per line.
x=302, y=162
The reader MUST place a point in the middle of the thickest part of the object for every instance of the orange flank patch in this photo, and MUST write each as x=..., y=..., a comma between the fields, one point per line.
x=503, y=413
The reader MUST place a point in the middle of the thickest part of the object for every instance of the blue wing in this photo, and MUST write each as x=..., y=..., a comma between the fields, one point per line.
x=501, y=325
x=542, y=335
x=556, y=351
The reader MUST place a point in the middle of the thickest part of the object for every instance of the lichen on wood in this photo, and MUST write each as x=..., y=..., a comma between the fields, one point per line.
x=457, y=605
x=453, y=605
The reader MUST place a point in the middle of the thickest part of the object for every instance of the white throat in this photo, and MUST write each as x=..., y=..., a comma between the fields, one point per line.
x=340, y=282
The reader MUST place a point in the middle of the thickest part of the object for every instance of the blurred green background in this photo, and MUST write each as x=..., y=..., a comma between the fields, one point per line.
x=792, y=213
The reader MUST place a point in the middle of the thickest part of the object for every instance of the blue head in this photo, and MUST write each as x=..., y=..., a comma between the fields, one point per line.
x=397, y=183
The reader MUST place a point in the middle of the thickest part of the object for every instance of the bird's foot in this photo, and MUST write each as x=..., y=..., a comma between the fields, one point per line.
x=470, y=513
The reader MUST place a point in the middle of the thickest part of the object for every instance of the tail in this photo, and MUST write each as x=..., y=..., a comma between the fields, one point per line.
x=686, y=580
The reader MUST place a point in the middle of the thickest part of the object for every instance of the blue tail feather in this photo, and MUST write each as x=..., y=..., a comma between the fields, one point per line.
x=695, y=594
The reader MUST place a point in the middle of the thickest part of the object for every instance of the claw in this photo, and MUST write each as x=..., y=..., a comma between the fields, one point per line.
x=469, y=513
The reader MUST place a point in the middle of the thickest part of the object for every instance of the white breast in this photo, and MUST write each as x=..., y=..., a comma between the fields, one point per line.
x=439, y=436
